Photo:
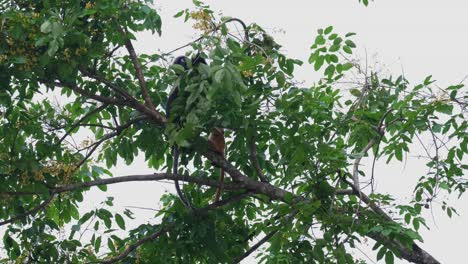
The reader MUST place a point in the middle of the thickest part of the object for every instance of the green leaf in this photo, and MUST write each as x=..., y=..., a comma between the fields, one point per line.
x=319, y=40
x=347, y=49
x=120, y=221
x=381, y=253
x=319, y=62
x=350, y=43
x=46, y=27
x=97, y=244
x=389, y=258
x=53, y=48
x=330, y=70
x=347, y=66
x=328, y=30
x=219, y=76
x=416, y=224
x=399, y=153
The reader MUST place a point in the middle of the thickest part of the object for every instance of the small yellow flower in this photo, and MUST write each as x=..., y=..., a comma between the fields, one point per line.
x=247, y=73
x=89, y=5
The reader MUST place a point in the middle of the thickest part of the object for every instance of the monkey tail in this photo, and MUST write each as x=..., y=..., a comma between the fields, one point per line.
x=220, y=189
x=175, y=167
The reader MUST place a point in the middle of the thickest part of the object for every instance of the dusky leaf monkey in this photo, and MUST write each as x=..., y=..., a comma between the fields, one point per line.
x=216, y=138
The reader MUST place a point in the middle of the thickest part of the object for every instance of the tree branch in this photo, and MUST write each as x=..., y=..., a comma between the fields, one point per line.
x=86, y=116
x=146, y=177
x=87, y=94
x=415, y=254
x=254, y=160
x=256, y=246
x=138, y=71
x=118, y=131
x=30, y=212
x=130, y=248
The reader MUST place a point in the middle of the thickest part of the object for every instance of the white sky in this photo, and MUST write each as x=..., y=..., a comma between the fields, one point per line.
x=417, y=37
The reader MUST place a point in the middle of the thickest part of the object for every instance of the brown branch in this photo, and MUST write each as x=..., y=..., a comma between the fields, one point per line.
x=147, y=177
x=135, y=178
x=87, y=94
x=256, y=246
x=108, y=83
x=130, y=248
x=415, y=254
x=130, y=100
x=137, y=67
x=30, y=212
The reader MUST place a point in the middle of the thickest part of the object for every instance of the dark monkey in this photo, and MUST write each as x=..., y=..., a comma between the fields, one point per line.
x=215, y=140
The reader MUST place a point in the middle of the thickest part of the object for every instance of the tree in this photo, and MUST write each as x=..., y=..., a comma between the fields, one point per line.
x=293, y=154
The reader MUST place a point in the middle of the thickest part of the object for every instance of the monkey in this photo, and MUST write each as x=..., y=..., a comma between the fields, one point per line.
x=216, y=138
x=217, y=143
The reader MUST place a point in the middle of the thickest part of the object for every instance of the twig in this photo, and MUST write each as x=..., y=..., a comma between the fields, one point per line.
x=256, y=246
x=118, y=131
x=86, y=116
x=244, y=26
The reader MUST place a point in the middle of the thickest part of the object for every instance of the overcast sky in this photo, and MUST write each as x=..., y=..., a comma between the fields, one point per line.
x=417, y=38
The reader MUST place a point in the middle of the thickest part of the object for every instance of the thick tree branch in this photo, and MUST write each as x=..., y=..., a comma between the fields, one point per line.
x=414, y=254
x=146, y=177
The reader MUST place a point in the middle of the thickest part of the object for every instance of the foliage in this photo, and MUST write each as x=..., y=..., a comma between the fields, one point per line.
x=306, y=141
